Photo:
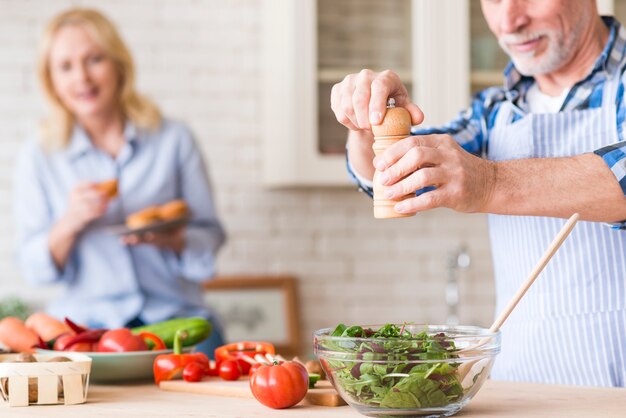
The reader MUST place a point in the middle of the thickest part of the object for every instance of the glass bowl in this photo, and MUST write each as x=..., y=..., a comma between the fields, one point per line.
x=431, y=371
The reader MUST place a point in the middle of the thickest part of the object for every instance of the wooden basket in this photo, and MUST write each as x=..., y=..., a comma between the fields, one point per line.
x=47, y=383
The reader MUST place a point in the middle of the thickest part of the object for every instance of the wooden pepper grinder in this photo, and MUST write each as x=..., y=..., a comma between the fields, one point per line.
x=395, y=126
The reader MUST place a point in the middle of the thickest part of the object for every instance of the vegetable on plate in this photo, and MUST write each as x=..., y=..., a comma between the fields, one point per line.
x=46, y=326
x=16, y=336
x=197, y=329
x=123, y=340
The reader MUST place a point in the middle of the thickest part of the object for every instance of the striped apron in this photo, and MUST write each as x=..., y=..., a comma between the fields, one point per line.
x=570, y=328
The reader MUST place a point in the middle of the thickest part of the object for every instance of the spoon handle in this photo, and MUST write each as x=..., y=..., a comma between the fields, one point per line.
x=547, y=255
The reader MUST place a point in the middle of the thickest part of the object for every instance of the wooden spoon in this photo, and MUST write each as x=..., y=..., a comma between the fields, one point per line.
x=547, y=255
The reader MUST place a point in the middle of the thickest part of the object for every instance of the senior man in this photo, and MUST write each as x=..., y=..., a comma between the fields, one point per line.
x=552, y=143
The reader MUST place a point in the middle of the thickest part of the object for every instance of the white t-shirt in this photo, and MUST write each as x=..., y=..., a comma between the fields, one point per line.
x=539, y=102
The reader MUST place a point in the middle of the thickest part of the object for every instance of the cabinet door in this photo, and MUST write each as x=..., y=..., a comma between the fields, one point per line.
x=440, y=58
x=619, y=9
x=487, y=60
x=310, y=45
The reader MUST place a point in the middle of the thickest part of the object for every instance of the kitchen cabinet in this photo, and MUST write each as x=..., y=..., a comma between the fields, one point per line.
x=309, y=45
x=495, y=399
x=618, y=7
x=442, y=50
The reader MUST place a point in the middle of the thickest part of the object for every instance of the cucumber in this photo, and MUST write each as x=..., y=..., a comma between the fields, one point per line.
x=313, y=379
x=198, y=330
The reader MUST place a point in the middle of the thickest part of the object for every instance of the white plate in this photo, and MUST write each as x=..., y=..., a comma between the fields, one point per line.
x=119, y=367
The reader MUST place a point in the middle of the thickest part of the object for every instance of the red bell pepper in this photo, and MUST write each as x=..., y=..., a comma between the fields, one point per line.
x=169, y=366
x=154, y=341
x=236, y=351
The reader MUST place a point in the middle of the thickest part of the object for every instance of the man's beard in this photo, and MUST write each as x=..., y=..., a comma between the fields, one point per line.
x=558, y=52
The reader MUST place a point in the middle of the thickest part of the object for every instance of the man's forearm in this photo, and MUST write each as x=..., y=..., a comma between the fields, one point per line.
x=558, y=187
x=360, y=153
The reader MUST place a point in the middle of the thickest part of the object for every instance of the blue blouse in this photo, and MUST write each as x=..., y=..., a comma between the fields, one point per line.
x=106, y=282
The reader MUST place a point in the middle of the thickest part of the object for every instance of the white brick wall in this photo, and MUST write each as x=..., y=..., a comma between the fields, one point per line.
x=200, y=61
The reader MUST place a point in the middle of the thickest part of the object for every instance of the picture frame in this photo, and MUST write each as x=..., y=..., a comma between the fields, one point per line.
x=257, y=308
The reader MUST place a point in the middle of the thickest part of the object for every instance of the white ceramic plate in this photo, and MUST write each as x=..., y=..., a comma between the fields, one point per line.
x=120, y=367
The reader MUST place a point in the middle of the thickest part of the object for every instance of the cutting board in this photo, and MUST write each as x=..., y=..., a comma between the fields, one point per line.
x=322, y=394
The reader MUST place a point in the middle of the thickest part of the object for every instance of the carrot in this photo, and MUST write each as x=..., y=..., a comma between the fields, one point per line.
x=46, y=326
x=15, y=336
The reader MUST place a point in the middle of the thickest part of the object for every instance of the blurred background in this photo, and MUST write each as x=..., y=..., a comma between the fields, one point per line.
x=252, y=79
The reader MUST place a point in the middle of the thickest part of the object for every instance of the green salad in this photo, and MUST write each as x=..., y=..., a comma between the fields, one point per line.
x=386, y=373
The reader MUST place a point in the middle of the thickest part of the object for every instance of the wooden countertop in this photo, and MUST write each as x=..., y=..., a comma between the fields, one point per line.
x=496, y=399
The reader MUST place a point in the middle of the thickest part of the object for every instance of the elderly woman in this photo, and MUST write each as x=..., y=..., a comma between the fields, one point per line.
x=100, y=128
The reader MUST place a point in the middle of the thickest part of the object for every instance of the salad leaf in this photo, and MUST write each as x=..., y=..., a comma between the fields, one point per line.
x=386, y=373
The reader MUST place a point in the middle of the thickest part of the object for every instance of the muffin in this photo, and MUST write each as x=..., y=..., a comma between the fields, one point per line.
x=108, y=188
x=143, y=218
x=174, y=209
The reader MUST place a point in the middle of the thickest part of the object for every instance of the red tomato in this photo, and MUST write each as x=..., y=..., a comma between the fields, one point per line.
x=244, y=366
x=254, y=368
x=82, y=347
x=212, y=370
x=121, y=339
x=193, y=372
x=229, y=370
x=280, y=385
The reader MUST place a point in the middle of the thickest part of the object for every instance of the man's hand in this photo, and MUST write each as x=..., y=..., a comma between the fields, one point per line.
x=360, y=100
x=463, y=181
x=171, y=239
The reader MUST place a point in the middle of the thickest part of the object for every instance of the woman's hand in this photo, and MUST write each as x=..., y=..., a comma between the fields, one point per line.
x=360, y=100
x=463, y=181
x=86, y=203
x=171, y=239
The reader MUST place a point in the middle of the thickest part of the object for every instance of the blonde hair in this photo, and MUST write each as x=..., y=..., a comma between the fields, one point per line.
x=57, y=128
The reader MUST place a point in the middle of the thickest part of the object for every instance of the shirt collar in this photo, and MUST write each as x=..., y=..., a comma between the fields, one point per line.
x=612, y=54
x=80, y=143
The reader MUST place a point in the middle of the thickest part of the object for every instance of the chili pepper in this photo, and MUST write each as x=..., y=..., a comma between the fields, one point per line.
x=91, y=336
x=169, y=366
x=41, y=344
x=75, y=327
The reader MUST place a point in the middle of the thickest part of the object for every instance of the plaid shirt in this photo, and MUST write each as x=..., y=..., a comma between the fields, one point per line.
x=471, y=128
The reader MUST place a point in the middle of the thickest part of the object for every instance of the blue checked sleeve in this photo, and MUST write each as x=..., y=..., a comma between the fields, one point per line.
x=615, y=157
x=470, y=127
